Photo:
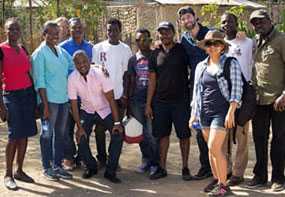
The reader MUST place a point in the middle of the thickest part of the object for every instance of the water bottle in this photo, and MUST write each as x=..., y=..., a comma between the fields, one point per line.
x=196, y=125
x=45, y=128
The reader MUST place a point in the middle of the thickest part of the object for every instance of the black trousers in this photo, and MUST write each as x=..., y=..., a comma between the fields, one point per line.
x=265, y=115
x=86, y=154
x=100, y=136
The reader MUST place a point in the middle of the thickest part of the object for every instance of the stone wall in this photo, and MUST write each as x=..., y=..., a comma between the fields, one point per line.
x=150, y=14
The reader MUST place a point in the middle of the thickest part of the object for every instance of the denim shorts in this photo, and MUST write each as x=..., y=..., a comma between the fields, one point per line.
x=213, y=122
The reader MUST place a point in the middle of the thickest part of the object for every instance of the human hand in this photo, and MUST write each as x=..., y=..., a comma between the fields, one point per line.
x=117, y=129
x=279, y=104
x=79, y=133
x=3, y=114
x=46, y=112
x=192, y=120
x=230, y=120
x=241, y=35
x=148, y=112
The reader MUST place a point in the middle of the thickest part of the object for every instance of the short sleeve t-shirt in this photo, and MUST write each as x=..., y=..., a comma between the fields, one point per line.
x=115, y=58
x=172, y=74
x=242, y=51
x=139, y=66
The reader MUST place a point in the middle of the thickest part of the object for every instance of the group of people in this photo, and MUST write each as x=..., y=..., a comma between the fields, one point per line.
x=79, y=88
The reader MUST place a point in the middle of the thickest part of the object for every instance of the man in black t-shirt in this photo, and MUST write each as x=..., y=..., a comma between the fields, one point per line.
x=170, y=91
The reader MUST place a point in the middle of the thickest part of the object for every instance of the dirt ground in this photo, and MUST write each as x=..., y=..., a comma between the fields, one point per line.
x=134, y=185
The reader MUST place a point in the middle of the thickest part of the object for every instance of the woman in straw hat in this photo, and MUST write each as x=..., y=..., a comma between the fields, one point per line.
x=214, y=106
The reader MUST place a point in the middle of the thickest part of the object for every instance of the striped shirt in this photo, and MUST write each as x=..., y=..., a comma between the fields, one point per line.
x=236, y=80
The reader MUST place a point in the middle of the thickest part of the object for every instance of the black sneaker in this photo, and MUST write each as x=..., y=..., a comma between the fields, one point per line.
x=186, y=176
x=203, y=174
x=113, y=178
x=88, y=173
x=212, y=185
x=235, y=180
x=277, y=186
x=22, y=176
x=256, y=182
x=160, y=173
x=220, y=190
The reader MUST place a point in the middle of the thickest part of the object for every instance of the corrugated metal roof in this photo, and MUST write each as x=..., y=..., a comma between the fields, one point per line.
x=218, y=2
x=35, y=3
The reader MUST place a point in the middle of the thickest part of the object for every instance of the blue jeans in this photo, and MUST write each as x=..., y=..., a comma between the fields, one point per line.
x=52, y=141
x=149, y=146
x=116, y=143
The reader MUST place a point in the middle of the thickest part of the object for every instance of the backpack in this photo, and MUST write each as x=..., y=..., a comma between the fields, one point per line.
x=247, y=110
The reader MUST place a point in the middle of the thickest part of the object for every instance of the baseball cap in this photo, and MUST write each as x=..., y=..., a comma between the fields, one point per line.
x=185, y=10
x=165, y=25
x=259, y=14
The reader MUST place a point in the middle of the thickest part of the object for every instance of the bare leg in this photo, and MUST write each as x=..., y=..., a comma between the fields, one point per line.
x=185, y=148
x=21, y=151
x=215, y=143
x=206, y=134
x=164, y=144
x=10, y=155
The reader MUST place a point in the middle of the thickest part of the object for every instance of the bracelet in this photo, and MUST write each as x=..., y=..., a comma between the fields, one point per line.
x=117, y=123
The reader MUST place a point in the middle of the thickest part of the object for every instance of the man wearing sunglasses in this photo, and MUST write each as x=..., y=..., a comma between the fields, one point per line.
x=139, y=77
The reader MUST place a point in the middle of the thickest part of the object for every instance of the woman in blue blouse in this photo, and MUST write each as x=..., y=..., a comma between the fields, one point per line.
x=214, y=106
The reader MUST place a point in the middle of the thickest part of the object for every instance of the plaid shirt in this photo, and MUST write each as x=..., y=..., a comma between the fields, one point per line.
x=236, y=79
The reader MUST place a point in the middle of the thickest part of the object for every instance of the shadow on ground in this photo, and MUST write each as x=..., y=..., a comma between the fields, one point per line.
x=134, y=185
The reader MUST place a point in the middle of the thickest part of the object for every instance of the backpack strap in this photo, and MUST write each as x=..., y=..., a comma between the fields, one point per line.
x=227, y=71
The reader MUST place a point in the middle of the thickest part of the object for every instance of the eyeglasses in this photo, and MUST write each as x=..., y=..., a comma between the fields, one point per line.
x=214, y=43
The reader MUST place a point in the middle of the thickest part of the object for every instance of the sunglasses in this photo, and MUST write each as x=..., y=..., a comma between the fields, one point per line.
x=213, y=43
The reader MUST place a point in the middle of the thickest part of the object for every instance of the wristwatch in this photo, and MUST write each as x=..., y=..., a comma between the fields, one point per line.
x=117, y=123
x=283, y=93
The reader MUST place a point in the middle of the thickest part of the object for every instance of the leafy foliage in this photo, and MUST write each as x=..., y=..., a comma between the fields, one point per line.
x=281, y=26
x=90, y=11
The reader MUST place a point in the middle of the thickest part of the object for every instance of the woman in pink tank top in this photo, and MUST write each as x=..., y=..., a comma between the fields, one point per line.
x=17, y=102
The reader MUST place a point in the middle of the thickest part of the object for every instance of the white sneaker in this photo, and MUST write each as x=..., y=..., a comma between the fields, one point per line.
x=10, y=183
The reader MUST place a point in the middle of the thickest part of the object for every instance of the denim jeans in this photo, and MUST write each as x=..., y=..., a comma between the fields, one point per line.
x=150, y=145
x=52, y=140
x=116, y=143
